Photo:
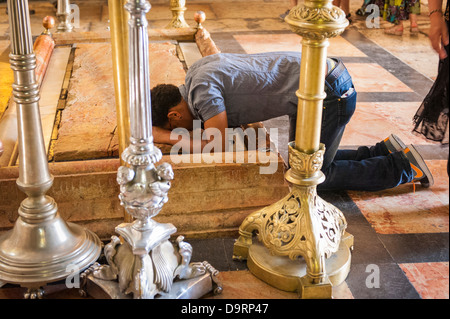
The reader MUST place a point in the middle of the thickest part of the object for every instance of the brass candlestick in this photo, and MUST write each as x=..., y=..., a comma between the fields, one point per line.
x=41, y=247
x=178, y=7
x=304, y=246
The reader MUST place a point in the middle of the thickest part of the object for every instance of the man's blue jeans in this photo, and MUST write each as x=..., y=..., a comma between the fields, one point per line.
x=367, y=168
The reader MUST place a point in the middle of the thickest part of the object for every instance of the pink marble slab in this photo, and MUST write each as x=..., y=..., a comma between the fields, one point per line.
x=402, y=210
x=258, y=43
x=372, y=77
x=431, y=280
x=374, y=121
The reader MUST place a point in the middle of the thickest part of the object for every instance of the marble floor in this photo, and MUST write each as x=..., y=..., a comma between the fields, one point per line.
x=402, y=231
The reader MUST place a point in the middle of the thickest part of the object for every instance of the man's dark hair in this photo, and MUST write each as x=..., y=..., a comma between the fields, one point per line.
x=164, y=97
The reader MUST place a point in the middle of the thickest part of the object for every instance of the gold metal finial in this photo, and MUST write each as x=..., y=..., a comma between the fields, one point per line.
x=48, y=23
x=178, y=8
x=199, y=17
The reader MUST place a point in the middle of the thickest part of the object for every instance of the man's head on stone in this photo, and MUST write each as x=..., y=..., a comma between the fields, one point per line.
x=169, y=109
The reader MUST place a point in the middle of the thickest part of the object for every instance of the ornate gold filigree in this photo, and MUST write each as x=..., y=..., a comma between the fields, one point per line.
x=304, y=21
x=302, y=223
x=323, y=14
x=307, y=164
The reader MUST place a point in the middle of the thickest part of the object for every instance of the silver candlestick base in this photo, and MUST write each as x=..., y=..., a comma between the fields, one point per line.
x=41, y=248
x=143, y=263
x=125, y=277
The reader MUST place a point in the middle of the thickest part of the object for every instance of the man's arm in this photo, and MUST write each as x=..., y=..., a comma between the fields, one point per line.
x=220, y=123
x=438, y=29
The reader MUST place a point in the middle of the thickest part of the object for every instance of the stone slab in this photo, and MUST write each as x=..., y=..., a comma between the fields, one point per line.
x=88, y=123
x=204, y=200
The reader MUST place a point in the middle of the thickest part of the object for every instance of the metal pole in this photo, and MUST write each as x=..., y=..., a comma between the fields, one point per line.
x=118, y=19
x=41, y=246
x=178, y=7
x=63, y=12
x=146, y=263
x=302, y=224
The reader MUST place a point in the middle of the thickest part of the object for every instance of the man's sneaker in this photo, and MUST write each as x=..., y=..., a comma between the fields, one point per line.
x=394, y=144
x=284, y=15
x=421, y=172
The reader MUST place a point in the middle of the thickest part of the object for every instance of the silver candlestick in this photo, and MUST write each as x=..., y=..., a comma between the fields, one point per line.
x=63, y=13
x=146, y=264
x=41, y=247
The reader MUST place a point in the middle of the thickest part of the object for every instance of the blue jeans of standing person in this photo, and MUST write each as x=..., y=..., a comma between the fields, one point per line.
x=367, y=168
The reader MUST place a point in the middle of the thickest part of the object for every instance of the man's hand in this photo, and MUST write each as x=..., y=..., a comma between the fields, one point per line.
x=438, y=34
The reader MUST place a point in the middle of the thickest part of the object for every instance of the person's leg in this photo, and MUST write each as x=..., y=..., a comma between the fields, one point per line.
x=371, y=174
x=414, y=27
x=362, y=153
x=395, y=30
x=338, y=108
x=345, y=6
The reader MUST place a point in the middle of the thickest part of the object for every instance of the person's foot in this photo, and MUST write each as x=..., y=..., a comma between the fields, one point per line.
x=284, y=15
x=414, y=30
x=394, y=143
x=394, y=31
x=421, y=172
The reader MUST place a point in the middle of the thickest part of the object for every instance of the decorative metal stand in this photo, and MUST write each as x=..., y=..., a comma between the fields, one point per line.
x=145, y=264
x=42, y=247
x=177, y=7
x=63, y=13
x=304, y=246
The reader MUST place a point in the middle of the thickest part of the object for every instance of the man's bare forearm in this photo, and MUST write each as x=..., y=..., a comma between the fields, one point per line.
x=182, y=140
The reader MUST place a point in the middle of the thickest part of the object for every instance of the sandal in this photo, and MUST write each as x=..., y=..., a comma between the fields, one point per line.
x=360, y=12
x=348, y=16
x=393, y=31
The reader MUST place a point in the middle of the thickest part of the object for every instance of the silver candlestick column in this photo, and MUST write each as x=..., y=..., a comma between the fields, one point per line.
x=146, y=264
x=42, y=247
x=63, y=13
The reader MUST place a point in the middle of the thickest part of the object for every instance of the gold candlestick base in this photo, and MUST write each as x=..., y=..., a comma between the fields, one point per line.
x=304, y=246
x=290, y=275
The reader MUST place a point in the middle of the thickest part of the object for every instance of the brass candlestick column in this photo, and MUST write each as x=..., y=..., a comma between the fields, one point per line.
x=63, y=12
x=118, y=19
x=41, y=246
x=304, y=244
x=146, y=265
x=177, y=7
